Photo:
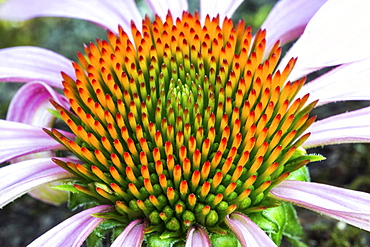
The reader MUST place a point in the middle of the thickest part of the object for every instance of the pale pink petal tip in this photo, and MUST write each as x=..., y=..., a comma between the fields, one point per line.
x=349, y=127
x=107, y=14
x=335, y=35
x=161, y=7
x=197, y=237
x=218, y=7
x=31, y=102
x=287, y=20
x=73, y=231
x=26, y=63
x=346, y=205
x=247, y=232
x=132, y=236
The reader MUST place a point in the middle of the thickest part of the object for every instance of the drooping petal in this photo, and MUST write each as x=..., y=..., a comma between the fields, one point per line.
x=18, y=139
x=107, y=14
x=197, y=237
x=342, y=204
x=346, y=82
x=335, y=35
x=218, y=7
x=27, y=63
x=73, y=231
x=19, y=178
x=31, y=102
x=161, y=7
x=288, y=19
x=133, y=235
x=247, y=232
x=349, y=127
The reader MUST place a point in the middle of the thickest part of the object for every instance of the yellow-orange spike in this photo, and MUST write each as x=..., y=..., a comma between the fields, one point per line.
x=216, y=181
x=99, y=173
x=186, y=167
x=100, y=156
x=216, y=160
x=206, y=187
x=192, y=200
x=163, y=182
x=268, y=171
x=255, y=166
x=148, y=186
x=116, y=161
x=184, y=188
x=177, y=173
x=206, y=168
x=226, y=166
x=229, y=189
x=117, y=176
x=134, y=191
x=237, y=173
x=130, y=175
x=128, y=160
x=195, y=178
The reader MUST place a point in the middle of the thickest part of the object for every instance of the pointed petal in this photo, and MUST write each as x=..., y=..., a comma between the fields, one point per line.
x=342, y=204
x=107, y=14
x=346, y=82
x=335, y=35
x=349, y=127
x=27, y=63
x=221, y=7
x=18, y=139
x=30, y=103
x=19, y=178
x=197, y=237
x=247, y=232
x=132, y=236
x=73, y=231
x=287, y=20
x=161, y=7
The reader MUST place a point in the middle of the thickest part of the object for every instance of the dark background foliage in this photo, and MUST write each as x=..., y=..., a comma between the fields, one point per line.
x=346, y=165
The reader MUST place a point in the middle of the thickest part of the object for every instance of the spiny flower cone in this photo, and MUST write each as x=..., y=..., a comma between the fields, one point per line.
x=183, y=125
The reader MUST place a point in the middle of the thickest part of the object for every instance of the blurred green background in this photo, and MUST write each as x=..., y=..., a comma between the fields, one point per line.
x=346, y=165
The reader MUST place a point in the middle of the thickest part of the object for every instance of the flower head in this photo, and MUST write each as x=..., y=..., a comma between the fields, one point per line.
x=186, y=126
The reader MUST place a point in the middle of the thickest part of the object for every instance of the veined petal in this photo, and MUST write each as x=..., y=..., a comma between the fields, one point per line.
x=247, y=232
x=30, y=103
x=161, y=7
x=349, y=127
x=107, y=14
x=288, y=19
x=27, y=63
x=73, y=231
x=334, y=85
x=197, y=237
x=133, y=235
x=342, y=204
x=331, y=38
x=18, y=139
x=19, y=178
x=218, y=7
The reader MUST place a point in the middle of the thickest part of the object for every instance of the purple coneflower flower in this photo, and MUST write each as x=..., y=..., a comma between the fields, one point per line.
x=187, y=127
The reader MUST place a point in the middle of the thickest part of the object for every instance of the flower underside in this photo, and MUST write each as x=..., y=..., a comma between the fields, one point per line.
x=185, y=124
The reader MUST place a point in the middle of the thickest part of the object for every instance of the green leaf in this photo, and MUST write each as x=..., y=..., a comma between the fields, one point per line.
x=66, y=187
x=155, y=240
x=227, y=240
x=55, y=113
x=302, y=174
x=293, y=228
x=76, y=200
x=265, y=222
x=278, y=215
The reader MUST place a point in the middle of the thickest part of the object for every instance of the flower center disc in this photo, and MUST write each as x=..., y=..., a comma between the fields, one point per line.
x=183, y=124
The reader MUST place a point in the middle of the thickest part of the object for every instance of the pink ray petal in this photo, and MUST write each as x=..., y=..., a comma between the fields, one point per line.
x=19, y=178
x=346, y=82
x=342, y=204
x=197, y=237
x=287, y=20
x=27, y=63
x=247, y=232
x=335, y=35
x=161, y=7
x=105, y=13
x=349, y=127
x=221, y=7
x=30, y=103
x=73, y=231
x=18, y=139
x=132, y=236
